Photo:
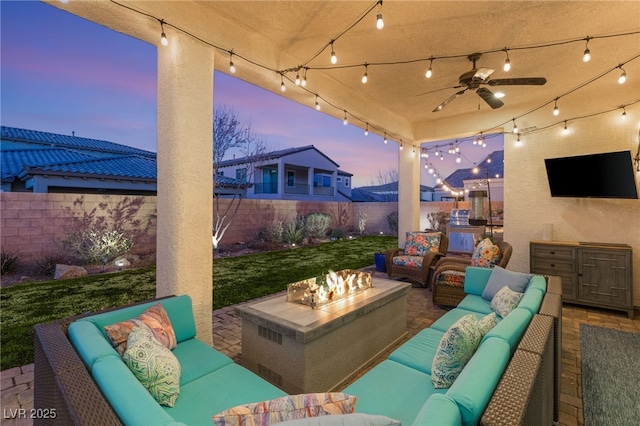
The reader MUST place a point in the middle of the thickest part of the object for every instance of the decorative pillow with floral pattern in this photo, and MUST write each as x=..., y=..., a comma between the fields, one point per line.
x=486, y=254
x=421, y=243
x=286, y=408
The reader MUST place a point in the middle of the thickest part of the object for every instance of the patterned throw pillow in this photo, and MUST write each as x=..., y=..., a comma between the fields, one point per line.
x=505, y=301
x=286, y=408
x=155, y=318
x=487, y=322
x=421, y=243
x=486, y=254
x=456, y=348
x=155, y=366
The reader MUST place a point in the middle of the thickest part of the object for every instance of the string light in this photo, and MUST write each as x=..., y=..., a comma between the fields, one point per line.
x=458, y=159
x=232, y=68
x=334, y=58
x=624, y=112
x=429, y=72
x=507, y=62
x=366, y=131
x=345, y=121
x=515, y=126
x=623, y=76
x=556, y=111
x=565, y=130
x=163, y=37
x=317, y=104
x=303, y=83
x=298, y=81
x=586, y=57
x=283, y=88
x=385, y=138
x=379, y=21
x=365, y=76
x=401, y=145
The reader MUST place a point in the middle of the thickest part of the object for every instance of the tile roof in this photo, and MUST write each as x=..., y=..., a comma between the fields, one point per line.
x=493, y=167
x=66, y=141
x=273, y=155
x=13, y=161
x=129, y=167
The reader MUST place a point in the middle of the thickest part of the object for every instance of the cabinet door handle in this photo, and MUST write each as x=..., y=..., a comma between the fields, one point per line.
x=553, y=265
x=553, y=252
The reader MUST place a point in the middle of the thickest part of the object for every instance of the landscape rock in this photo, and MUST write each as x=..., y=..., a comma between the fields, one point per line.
x=65, y=272
x=122, y=262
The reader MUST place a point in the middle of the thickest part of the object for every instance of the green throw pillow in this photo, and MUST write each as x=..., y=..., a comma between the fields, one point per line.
x=155, y=366
x=456, y=348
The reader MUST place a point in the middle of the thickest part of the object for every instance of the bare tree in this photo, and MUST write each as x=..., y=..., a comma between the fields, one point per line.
x=389, y=184
x=232, y=138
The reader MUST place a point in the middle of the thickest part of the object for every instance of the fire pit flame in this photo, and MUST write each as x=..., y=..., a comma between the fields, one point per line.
x=334, y=286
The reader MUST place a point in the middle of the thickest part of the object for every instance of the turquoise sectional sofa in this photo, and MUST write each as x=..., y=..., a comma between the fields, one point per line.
x=400, y=387
x=80, y=375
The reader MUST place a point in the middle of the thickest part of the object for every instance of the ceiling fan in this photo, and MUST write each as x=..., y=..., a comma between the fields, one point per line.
x=472, y=80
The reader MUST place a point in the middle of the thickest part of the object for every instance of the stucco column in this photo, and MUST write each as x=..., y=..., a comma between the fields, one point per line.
x=408, y=191
x=185, y=175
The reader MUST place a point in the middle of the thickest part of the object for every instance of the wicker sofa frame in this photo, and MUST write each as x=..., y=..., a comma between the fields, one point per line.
x=420, y=275
x=528, y=389
x=447, y=295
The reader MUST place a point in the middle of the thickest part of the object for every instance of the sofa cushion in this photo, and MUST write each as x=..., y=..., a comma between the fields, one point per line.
x=409, y=261
x=153, y=365
x=353, y=419
x=288, y=407
x=419, y=351
x=511, y=328
x=394, y=390
x=500, y=277
x=456, y=348
x=505, y=301
x=439, y=407
x=422, y=243
x=89, y=342
x=486, y=254
x=475, y=279
x=198, y=359
x=475, y=303
x=445, y=322
x=475, y=385
x=532, y=300
x=223, y=388
x=155, y=318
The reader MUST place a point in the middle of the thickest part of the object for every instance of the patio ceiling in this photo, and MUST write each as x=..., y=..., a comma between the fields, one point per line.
x=281, y=35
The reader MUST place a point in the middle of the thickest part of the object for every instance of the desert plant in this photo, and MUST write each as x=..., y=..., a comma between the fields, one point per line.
x=317, y=224
x=293, y=233
x=271, y=232
x=438, y=221
x=337, y=233
x=45, y=264
x=392, y=220
x=362, y=221
x=93, y=246
x=9, y=261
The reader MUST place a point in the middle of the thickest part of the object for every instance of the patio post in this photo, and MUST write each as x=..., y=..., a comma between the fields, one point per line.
x=185, y=175
x=408, y=190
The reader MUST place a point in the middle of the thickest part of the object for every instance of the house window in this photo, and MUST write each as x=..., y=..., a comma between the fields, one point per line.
x=321, y=179
x=339, y=179
x=291, y=178
x=346, y=182
x=220, y=173
x=241, y=175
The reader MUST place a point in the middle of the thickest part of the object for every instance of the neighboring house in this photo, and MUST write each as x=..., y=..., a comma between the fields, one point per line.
x=302, y=173
x=386, y=193
x=492, y=166
x=34, y=161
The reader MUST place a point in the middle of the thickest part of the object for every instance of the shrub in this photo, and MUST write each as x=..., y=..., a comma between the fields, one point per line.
x=45, y=264
x=9, y=261
x=317, y=224
x=337, y=234
x=438, y=221
x=271, y=232
x=92, y=246
x=293, y=233
x=392, y=219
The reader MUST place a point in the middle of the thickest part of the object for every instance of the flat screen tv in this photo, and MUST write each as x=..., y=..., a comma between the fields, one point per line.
x=606, y=175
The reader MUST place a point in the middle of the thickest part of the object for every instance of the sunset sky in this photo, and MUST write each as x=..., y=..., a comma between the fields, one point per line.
x=63, y=74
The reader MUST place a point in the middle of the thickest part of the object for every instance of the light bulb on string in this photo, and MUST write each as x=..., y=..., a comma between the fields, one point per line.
x=232, y=68
x=458, y=159
x=366, y=131
x=429, y=72
x=385, y=138
x=515, y=126
x=345, y=121
x=298, y=81
x=624, y=112
x=334, y=58
x=163, y=37
x=401, y=146
x=623, y=76
x=586, y=56
x=365, y=76
x=507, y=62
x=283, y=88
x=379, y=21
x=556, y=111
x=317, y=104
x=303, y=83
x=565, y=130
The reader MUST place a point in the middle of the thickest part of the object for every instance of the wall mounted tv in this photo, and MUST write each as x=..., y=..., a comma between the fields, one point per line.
x=605, y=175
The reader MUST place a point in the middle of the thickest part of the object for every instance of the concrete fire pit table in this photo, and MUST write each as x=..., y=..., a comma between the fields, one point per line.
x=301, y=349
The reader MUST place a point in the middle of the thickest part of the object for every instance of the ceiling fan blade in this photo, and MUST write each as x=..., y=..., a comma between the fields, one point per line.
x=488, y=96
x=483, y=73
x=438, y=90
x=524, y=81
x=449, y=99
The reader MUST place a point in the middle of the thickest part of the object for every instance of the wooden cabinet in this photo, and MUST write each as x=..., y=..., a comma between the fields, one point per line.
x=592, y=274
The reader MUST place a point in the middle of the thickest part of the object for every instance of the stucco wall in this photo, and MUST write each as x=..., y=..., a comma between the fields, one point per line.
x=528, y=204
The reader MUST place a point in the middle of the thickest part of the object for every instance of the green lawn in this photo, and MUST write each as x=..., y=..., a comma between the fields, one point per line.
x=236, y=279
